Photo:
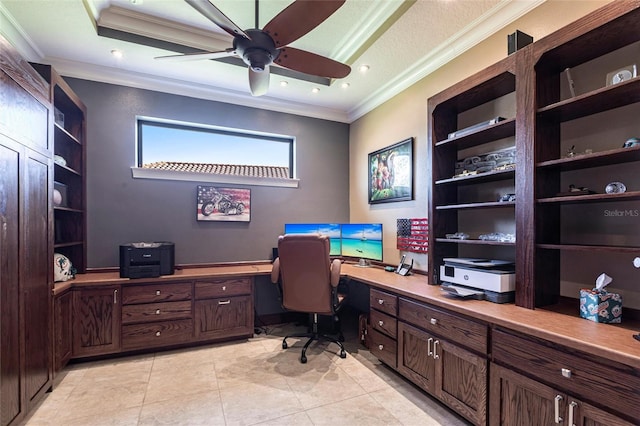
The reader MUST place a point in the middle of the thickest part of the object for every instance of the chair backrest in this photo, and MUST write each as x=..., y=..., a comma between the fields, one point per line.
x=305, y=273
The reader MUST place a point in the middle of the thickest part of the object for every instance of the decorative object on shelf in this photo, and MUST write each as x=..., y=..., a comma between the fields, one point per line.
x=474, y=128
x=59, y=160
x=570, y=82
x=58, y=117
x=457, y=236
x=575, y=190
x=631, y=142
x=413, y=235
x=63, y=270
x=615, y=188
x=507, y=197
x=391, y=173
x=600, y=305
x=223, y=204
x=60, y=200
x=498, y=236
x=498, y=160
x=622, y=74
x=517, y=40
x=571, y=152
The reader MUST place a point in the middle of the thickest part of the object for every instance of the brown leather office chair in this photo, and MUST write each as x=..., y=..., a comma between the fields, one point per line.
x=308, y=282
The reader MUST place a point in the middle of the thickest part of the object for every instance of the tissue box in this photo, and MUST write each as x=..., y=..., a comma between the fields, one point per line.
x=600, y=306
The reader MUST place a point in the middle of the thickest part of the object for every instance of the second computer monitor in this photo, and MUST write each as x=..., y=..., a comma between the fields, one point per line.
x=362, y=240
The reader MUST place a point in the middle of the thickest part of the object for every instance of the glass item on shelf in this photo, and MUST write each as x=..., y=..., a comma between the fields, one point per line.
x=498, y=236
x=58, y=159
x=615, y=188
x=631, y=142
x=457, y=236
x=507, y=197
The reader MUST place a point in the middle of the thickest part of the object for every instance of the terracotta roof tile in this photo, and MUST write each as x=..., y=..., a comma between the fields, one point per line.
x=222, y=169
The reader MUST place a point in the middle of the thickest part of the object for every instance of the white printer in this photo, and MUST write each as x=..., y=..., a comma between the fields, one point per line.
x=489, y=279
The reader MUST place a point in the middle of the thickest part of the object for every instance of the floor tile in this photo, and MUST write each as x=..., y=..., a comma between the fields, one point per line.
x=204, y=408
x=360, y=410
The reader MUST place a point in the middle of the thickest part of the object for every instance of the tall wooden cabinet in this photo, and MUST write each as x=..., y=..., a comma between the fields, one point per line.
x=69, y=169
x=25, y=236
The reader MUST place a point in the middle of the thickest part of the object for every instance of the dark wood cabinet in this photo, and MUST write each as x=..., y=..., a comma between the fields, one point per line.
x=383, y=331
x=518, y=400
x=96, y=321
x=223, y=308
x=69, y=145
x=25, y=230
x=62, y=327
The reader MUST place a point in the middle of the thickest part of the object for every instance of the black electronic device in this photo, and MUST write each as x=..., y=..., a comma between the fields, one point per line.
x=404, y=268
x=147, y=260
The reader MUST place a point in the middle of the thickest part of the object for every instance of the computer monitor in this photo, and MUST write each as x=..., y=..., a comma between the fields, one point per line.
x=362, y=240
x=331, y=230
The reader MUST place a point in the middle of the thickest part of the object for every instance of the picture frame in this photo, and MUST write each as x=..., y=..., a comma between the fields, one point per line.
x=223, y=204
x=390, y=173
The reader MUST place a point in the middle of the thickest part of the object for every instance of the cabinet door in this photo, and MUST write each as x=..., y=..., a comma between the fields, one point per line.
x=228, y=317
x=96, y=321
x=588, y=415
x=415, y=356
x=9, y=291
x=461, y=380
x=63, y=326
x=516, y=400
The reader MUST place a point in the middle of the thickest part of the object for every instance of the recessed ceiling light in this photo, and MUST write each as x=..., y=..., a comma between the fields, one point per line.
x=315, y=90
x=345, y=85
x=117, y=53
x=363, y=68
x=284, y=83
x=137, y=2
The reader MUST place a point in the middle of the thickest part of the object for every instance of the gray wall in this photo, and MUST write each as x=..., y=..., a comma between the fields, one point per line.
x=121, y=209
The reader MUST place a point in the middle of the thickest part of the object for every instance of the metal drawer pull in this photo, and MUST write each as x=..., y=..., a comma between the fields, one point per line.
x=572, y=406
x=115, y=297
x=157, y=334
x=380, y=323
x=435, y=349
x=434, y=321
x=157, y=311
x=566, y=372
x=157, y=292
x=381, y=347
x=556, y=403
x=380, y=302
x=224, y=288
x=429, y=350
x=224, y=302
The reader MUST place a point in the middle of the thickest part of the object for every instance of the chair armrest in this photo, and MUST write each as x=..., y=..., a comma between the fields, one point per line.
x=275, y=271
x=336, y=265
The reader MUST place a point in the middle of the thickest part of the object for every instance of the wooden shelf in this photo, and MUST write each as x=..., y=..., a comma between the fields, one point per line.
x=596, y=159
x=62, y=132
x=69, y=244
x=485, y=205
x=584, y=247
x=500, y=130
x=67, y=209
x=571, y=199
x=479, y=178
x=475, y=242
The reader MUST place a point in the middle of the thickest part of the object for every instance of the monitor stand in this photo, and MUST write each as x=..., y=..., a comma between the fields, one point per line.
x=363, y=263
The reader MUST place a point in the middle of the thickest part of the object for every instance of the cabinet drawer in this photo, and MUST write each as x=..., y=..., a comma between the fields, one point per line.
x=221, y=288
x=163, y=333
x=155, y=293
x=384, y=323
x=385, y=302
x=383, y=347
x=461, y=330
x=601, y=382
x=150, y=312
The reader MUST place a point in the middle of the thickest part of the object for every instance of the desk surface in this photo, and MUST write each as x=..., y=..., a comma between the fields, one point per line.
x=614, y=342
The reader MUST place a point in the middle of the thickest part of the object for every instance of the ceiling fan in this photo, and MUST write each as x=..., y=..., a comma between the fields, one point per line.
x=260, y=48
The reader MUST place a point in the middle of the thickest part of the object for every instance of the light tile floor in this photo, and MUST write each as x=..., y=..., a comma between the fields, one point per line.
x=250, y=382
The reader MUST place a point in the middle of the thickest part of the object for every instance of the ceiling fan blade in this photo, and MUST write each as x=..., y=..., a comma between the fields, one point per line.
x=310, y=63
x=197, y=56
x=206, y=8
x=259, y=81
x=299, y=18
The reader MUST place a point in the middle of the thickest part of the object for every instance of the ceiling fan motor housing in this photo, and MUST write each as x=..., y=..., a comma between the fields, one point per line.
x=259, y=51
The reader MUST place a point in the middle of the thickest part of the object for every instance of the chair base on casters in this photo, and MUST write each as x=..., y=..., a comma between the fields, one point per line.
x=315, y=336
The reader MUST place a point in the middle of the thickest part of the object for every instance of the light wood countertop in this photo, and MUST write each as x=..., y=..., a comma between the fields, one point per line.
x=610, y=341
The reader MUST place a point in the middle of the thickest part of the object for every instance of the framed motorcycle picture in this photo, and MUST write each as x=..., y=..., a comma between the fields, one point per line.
x=223, y=204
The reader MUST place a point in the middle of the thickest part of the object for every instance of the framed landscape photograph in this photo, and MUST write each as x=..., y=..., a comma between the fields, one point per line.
x=223, y=204
x=391, y=173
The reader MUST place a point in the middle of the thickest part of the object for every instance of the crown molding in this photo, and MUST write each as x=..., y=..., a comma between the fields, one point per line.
x=10, y=29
